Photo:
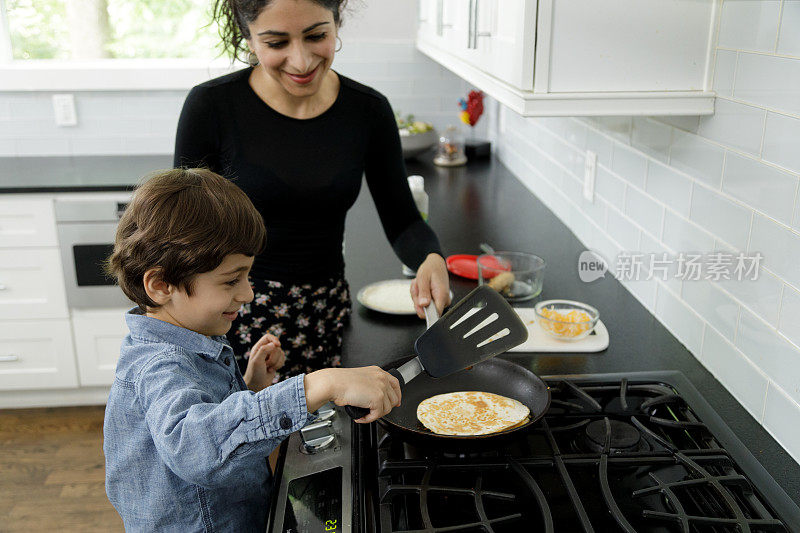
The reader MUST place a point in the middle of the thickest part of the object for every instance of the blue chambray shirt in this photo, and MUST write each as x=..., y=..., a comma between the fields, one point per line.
x=186, y=443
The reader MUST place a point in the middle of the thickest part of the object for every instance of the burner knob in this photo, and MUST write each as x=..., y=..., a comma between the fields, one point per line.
x=317, y=436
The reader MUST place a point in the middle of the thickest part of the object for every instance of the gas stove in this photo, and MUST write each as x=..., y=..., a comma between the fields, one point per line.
x=637, y=453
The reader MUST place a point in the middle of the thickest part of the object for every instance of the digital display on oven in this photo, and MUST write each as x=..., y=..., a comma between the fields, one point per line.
x=314, y=503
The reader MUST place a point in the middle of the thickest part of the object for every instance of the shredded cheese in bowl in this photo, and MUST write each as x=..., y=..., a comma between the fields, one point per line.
x=564, y=319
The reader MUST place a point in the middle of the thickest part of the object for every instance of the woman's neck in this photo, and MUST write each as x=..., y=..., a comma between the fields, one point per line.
x=287, y=104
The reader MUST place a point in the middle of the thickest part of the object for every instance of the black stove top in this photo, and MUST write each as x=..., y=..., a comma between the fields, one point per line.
x=642, y=453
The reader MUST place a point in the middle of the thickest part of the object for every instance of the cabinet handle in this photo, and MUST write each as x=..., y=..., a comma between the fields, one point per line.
x=8, y=358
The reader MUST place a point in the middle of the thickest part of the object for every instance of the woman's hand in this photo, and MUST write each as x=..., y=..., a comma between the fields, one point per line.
x=266, y=357
x=431, y=280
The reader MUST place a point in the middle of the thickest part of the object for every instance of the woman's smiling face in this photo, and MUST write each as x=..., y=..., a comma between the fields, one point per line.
x=295, y=42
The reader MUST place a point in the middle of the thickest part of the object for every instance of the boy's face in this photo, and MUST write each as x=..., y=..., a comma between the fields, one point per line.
x=216, y=298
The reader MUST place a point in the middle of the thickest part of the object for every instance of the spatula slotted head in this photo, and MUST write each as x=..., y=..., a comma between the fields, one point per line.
x=478, y=327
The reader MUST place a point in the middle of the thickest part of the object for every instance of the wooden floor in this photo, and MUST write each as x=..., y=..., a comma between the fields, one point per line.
x=52, y=473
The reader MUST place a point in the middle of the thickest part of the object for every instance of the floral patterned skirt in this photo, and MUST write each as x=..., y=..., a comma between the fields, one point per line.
x=308, y=319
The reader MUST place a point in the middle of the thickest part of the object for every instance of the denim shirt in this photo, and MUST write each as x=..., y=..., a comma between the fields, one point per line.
x=185, y=441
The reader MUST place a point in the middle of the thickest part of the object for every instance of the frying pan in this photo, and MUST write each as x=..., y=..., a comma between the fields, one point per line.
x=493, y=375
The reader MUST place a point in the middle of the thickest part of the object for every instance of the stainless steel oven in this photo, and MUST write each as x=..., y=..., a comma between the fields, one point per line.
x=86, y=228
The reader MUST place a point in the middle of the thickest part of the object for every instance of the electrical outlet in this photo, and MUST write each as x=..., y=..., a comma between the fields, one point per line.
x=64, y=108
x=590, y=171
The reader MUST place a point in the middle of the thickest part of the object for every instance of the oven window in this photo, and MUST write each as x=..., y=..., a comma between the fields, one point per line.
x=89, y=260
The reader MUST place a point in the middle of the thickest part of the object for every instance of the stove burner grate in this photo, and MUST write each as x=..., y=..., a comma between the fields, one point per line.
x=624, y=457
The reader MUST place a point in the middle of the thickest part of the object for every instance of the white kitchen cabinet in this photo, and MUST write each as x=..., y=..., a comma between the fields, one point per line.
x=31, y=284
x=98, y=336
x=579, y=57
x=27, y=223
x=36, y=354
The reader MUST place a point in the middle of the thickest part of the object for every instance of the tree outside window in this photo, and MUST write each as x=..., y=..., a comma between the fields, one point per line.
x=101, y=29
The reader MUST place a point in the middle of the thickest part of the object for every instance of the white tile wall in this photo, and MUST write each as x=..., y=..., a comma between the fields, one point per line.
x=727, y=182
x=144, y=122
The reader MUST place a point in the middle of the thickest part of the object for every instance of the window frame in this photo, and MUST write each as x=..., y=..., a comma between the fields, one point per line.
x=102, y=74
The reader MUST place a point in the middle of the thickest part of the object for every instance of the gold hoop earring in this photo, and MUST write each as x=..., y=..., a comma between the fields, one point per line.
x=340, y=44
x=252, y=59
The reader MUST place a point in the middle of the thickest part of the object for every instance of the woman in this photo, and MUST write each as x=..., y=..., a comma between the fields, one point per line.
x=297, y=137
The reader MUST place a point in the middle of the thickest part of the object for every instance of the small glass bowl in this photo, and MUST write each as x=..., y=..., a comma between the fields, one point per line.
x=525, y=279
x=554, y=319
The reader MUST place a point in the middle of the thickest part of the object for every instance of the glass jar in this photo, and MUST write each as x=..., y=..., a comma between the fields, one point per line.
x=450, y=152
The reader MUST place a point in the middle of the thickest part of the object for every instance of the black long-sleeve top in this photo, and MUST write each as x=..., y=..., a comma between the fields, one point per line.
x=304, y=174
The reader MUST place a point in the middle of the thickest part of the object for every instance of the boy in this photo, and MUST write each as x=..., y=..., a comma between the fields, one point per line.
x=186, y=435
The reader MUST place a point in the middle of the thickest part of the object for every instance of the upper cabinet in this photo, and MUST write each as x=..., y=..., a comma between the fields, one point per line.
x=578, y=57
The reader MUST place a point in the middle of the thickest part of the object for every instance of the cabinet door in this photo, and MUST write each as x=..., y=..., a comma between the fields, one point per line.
x=505, y=40
x=25, y=223
x=98, y=336
x=31, y=284
x=427, y=18
x=36, y=355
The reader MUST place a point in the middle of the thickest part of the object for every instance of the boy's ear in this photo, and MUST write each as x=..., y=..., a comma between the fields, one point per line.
x=156, y=288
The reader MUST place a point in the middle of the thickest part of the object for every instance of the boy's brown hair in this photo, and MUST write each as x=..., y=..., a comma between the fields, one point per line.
x=183, y=222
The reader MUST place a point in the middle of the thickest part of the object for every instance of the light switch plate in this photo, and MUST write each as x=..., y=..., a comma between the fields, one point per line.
x=64, y=108
x=590, y=171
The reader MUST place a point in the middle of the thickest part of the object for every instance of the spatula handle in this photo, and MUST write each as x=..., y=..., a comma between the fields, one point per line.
x=359, y=412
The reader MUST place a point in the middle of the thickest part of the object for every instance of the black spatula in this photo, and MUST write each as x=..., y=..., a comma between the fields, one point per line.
x=476, y=328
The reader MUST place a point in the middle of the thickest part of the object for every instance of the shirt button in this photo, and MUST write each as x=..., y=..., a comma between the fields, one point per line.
x=228, y=361
x=286, y=422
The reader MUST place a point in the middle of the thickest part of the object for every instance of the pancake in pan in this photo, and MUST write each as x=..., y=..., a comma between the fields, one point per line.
x=468, y=413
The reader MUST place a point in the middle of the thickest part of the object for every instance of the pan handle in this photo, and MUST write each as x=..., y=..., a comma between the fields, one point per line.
x=359, y=412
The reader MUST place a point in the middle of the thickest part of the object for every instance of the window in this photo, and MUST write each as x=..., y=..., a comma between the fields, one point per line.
x=108, y=45
x=111, y=29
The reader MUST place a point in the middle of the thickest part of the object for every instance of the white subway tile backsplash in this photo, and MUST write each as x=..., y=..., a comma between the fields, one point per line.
x=684, y=123
x=671, y=188
x=781, y=140
x=679, y=318
x=741, y=377
x=644, y=211
x=610, y=187
x=734, y=125
x=789, y=322
x=721, y=216
x=651, y=137
x=760, y=186
x=108, y=145
x=630, y=165
x=789, y=39
x=617, y=127
x=762, y=295
x=774, y=355
x=719, y=309
x=768, y=81
x=780, y=411
x=150, y=144
x=724, y=69
x=28, y=146
x=779, y=246
x=697, y=157
x=622, y=230
x=575, y=133
x=600, y=145
x=681, y=235
x=749, y=24
x=644, y=291
x=8, y=147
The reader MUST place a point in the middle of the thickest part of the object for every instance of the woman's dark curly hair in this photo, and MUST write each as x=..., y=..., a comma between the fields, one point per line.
x=234, y=16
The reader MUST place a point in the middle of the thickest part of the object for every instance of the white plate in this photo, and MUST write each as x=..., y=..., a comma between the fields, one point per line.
x=391, y=296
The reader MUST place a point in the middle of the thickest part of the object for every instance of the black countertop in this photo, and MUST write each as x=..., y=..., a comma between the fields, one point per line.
x=76, y=173
x=484, y=202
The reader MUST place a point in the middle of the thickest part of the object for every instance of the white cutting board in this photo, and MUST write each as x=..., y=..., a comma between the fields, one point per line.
x=540, y=341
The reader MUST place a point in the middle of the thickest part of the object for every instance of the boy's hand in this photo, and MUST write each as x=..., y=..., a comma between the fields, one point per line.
x=266, y=357
x=369, y=387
